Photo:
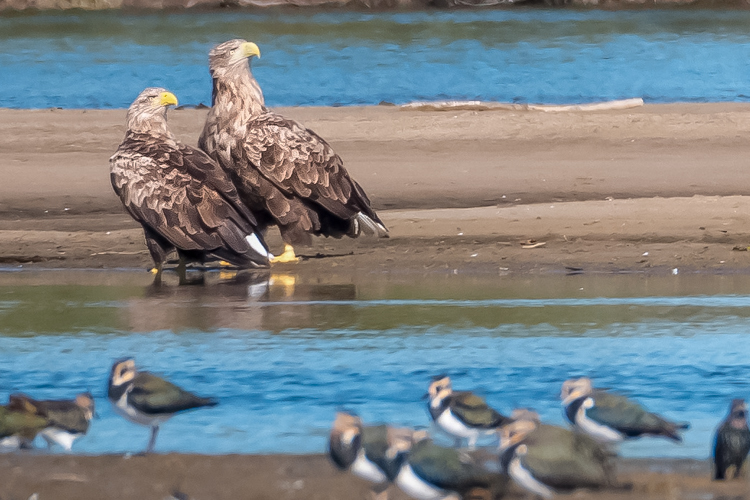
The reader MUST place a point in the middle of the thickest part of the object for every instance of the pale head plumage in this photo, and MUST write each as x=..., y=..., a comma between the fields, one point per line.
x=123, y=371
x=148, y=113
x=516, y=431
x=346, y=427
x=230, y=56
x=738, y=413
x=229, y=64
x=85, y=401
x=575, y=388
x=440, y=387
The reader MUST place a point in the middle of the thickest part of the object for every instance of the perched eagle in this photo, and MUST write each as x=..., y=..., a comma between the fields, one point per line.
x=181, y=197
x=285, y=173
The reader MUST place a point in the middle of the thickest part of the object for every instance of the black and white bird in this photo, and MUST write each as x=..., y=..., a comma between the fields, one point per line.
x=68, y=420
x=544, y=459
x=610, y=418
x=461, y=414
x=732, y=442
x=433, y=472
x=146, y=399
x=374, y=453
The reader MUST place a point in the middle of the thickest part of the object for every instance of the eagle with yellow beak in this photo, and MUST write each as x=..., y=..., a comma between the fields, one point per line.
x=285, y=173
x=182, y=198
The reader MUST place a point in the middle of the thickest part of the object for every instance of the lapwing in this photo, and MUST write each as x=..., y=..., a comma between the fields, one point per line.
x=433, y=472
x=610, y=418
x=145, y=399
x=19, y=428
x=374, y=453
x=543, y=458
x=461, y=414
x=68, y=419
x=732, y=442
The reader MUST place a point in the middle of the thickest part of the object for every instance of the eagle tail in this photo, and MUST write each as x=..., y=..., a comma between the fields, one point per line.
x=364, y=224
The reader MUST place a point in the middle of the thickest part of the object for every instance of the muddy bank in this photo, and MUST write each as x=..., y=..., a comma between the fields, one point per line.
x=302, y=477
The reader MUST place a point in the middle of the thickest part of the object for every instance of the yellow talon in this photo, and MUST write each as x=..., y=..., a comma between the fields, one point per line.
x=153, y=270
x=224, y=263
x=287, y=256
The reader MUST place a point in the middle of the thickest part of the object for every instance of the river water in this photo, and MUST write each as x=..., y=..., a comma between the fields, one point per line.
x=104, y=59
x=284, y=355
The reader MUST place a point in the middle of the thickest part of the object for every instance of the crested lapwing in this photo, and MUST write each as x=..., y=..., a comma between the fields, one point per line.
x=461, y=414
x=374, y=453
x=433, y=472
x=145, y=399
x=68, y=419
x=610, y=418
x=543, y=458
x=19, y=428
x=732, y=442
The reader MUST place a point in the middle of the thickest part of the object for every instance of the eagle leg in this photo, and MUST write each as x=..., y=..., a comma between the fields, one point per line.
x=287, y=256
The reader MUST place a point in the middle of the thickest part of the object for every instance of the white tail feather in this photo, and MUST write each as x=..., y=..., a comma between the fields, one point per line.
x=364, y=224
x=256, y=245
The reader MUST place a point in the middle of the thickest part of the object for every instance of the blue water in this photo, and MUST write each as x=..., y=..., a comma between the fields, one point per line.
x=104, y=59
x=282, y=358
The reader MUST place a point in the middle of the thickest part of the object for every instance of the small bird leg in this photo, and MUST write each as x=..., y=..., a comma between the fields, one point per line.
x=152, y=441
x=287, y=256
x=156, y=271
x=379, y=491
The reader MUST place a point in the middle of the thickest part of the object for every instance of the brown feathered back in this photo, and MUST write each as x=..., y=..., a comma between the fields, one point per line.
x=183, y=199
x=284, y=172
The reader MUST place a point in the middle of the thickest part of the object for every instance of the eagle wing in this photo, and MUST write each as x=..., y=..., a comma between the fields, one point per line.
x=181, y=194
x=302, y=164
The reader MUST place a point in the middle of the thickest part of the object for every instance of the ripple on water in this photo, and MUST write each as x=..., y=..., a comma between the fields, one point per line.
x=283, y=360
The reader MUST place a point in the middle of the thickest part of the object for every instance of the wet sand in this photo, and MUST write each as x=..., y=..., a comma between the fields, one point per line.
x=647, y=189
x=293, y=477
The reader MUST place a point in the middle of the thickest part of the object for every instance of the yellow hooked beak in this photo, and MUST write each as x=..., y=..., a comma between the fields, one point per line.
x=167, y=99
x=249, y=49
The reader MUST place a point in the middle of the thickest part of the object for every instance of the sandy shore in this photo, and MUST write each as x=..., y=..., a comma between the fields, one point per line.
x=460, y=190
x=292, y=477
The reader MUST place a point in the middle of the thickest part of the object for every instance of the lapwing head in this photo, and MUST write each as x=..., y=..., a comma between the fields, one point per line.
x=515, y=432
x=575, y=388
x=400, y=440
x=440, y=387
x=525, y=414
x=123, y=371
x=85, y=401
x=738, y=413
x=346, y=427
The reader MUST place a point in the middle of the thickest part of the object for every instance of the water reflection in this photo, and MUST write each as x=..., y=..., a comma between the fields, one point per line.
x=233, y=302
x=284, y=352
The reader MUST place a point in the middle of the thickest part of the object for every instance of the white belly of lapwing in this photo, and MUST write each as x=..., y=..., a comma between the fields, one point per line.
x=453, y=426
x=365, y=469
x=54, y=435
x=10, y=443
x=125, y=410
x=526, y=480
x=414, y=486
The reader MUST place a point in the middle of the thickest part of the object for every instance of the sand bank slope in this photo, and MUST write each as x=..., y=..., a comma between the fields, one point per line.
x=599, y=188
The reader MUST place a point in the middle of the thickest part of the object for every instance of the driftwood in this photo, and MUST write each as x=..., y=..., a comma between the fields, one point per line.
x=500, y=106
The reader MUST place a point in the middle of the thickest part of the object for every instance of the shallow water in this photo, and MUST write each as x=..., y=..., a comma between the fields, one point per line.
x=283, y=356
x=104, y=59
